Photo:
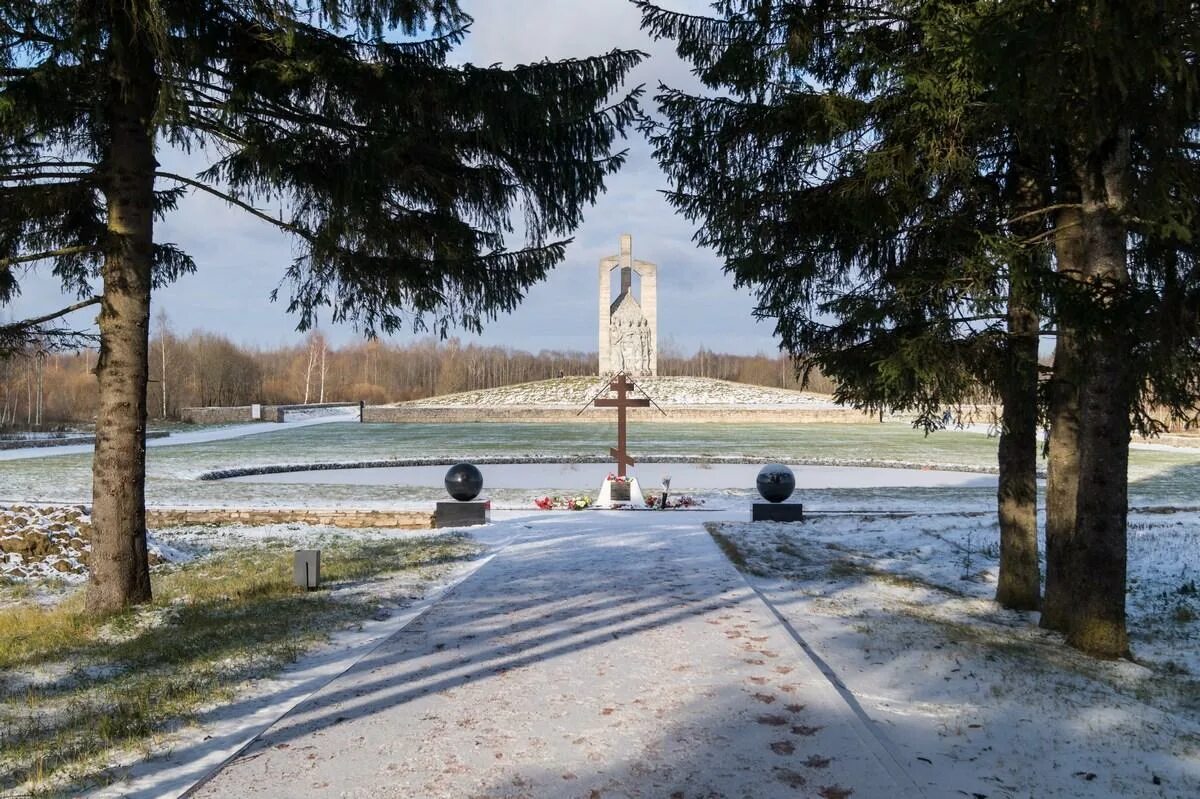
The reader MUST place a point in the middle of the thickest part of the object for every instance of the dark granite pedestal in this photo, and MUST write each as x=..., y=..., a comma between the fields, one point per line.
x=462, y=514
x=777, y=512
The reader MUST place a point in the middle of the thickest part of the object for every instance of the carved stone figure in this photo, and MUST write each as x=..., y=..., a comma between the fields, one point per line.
x=628, y=327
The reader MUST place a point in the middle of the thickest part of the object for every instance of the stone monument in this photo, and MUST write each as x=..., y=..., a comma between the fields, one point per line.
x=628, y=328
x=776, y=483
x=463, y=482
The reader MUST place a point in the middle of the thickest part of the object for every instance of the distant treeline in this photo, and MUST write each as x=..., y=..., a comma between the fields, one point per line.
x=47, y=389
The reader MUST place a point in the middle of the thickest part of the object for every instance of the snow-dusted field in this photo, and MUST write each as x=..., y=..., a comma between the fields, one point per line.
x=889, y=581
x=1159, y=476
x=691, y=477
x=575, y=392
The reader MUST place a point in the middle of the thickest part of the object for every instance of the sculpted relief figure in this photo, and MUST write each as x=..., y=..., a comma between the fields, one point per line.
x=628, y=325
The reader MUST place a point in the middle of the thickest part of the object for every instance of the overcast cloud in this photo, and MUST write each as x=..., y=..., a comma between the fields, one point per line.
x=241, y=260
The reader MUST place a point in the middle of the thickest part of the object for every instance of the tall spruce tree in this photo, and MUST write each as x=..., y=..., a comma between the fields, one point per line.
x=853, y=169
x=846, y=144
x=1121, y=81
x=400, y=176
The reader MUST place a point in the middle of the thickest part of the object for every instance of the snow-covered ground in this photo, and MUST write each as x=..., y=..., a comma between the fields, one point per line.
x=37, y=436
x=684, y=476
x=888, y=582
x=976, y=700
x=575, y=392
x=971, y=700
x=204, y=435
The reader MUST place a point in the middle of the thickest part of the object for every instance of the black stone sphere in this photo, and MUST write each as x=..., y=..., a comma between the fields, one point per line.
x=464, y=482
x=776, y=482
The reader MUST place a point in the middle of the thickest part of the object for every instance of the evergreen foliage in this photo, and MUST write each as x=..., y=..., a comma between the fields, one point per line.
x=399, y=176
x=896, y=179
x=836, y=169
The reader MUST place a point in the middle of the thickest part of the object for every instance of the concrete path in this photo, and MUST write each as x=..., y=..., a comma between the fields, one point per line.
x=618, y=659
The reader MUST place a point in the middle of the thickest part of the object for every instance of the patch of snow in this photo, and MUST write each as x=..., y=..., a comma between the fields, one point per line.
x=976, y=699
x=202, y=436
x=37, y=436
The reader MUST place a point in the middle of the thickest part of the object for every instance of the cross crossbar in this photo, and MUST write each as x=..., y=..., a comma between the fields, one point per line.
x=632, y=402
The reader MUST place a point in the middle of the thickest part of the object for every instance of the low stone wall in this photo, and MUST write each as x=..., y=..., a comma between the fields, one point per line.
x=65, y=441
x=691, y=414
x=1191, y=440
x=221, y=415
x=229, y=414
x=309, y=407
x=333, y=517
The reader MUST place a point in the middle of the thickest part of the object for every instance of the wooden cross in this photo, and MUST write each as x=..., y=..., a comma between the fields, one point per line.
x=620, y=384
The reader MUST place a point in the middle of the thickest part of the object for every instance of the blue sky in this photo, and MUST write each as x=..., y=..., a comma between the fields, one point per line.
x=241, y=260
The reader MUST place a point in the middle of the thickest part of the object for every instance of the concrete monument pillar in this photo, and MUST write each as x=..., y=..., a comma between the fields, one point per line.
x=606, y=267
x=628, y=326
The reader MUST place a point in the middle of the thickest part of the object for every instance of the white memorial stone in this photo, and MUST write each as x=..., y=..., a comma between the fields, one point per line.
x=628, y=325
x=636, y=498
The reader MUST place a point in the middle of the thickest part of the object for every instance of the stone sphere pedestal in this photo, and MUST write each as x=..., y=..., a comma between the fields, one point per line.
x=463, y=482
x=776, y=483
x=462, y=514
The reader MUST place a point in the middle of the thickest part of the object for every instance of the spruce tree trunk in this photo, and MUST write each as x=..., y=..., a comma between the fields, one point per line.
x=1062, y=447
x=120, y=573
x=1062, y=481
x=1019, y=583
x=1096, y=616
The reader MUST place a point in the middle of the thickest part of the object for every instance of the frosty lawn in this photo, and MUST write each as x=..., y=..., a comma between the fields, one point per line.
x=1159, y=476
x=888, y=586
x=75, y=693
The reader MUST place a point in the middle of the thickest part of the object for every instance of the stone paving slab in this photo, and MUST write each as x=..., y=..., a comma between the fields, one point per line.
x=627, y=659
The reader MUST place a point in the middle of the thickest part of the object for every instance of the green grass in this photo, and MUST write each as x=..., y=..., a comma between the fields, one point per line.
x=117, y=683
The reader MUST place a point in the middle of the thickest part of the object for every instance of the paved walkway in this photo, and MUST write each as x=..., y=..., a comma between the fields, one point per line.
x=626, y=659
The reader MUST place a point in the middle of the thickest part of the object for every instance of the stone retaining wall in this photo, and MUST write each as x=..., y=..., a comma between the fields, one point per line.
x=222, y=415
x=228, y=414
x=333, y=517
x=1172, y=440
x=65, y=441
x=675, y=414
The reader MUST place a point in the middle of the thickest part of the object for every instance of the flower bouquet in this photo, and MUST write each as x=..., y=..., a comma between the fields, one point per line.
x=685, y=501
x=563, y=503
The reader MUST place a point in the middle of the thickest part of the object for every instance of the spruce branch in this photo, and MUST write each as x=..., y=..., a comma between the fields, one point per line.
x=234, y=201
x=7, y=263
x=15, y=336
x=50, y=317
